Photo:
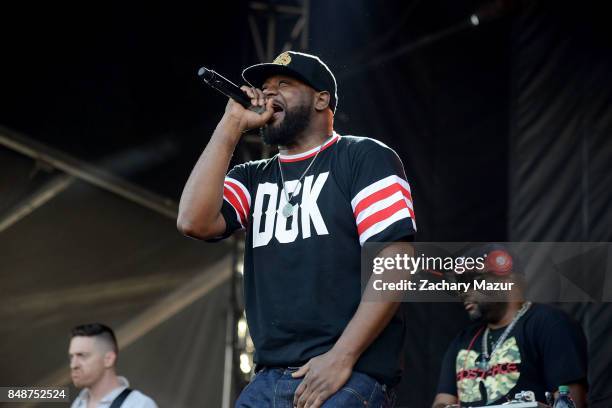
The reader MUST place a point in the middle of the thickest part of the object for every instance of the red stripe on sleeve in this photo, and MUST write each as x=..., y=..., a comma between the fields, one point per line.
x=411, y=211
x=380, y=195
x=380, y=215
x=241, y=195
x=231, y=197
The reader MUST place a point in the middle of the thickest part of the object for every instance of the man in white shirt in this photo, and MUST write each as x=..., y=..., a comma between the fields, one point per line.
x=93, y=354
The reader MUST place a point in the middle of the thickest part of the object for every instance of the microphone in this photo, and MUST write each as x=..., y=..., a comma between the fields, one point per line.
x=227, y=88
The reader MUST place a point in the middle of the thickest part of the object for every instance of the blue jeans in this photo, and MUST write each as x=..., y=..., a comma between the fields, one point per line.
x=274, y=388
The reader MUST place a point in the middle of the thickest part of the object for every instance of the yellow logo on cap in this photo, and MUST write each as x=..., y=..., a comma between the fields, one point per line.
x=283, y=59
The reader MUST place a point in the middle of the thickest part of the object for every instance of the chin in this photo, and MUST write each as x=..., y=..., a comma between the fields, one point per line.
x=475, y=314
x=78, y=383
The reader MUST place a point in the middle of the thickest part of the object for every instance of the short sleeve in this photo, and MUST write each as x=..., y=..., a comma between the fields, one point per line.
x=236, y=201
x=447, y=383
x=380, y=195
x=564, y=349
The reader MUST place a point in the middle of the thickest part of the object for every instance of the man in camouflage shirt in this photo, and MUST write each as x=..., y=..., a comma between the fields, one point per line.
x=513, y=345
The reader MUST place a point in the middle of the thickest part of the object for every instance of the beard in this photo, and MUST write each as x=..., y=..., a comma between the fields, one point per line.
x=292, y=125
x=488, y=312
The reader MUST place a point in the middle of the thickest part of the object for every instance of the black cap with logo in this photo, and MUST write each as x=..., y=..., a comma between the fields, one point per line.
x=305, y=67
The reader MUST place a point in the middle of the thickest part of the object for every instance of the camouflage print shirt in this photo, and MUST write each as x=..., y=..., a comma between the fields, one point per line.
x=544, y=350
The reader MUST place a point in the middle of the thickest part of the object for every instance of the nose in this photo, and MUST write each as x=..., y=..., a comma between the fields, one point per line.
x=74, y=363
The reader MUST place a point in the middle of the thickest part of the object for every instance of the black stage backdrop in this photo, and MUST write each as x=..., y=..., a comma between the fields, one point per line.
x=503, y=129
x=561, y=129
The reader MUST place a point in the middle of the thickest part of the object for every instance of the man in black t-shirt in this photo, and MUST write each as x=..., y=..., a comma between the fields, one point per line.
x=514, y=346
x=307, y=212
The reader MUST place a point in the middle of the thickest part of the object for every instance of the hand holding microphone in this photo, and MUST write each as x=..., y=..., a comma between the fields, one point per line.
x=247, y=105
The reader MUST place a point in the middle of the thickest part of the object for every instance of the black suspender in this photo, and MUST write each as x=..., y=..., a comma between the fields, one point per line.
x=120, y=398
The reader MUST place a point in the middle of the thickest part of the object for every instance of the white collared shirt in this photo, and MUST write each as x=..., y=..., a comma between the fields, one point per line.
x=136, y=399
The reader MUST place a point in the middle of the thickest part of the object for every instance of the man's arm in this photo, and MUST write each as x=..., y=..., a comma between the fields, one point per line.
x=445, y=401
x=324, y=375
x=563, y=349
x=200, y=206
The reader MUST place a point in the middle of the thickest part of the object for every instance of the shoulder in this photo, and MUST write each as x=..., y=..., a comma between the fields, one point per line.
x=544, y=321
x=362, y=144
x=259, y=163
x=246, y=171
x=360, y=150
x=548, y=315
x=137, y=399
x=256, y=164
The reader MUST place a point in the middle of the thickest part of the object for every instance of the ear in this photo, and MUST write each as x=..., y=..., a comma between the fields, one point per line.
x=109, y=359
x=322, y=100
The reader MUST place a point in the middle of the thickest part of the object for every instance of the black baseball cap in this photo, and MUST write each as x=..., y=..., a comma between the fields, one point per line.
x=304, y=67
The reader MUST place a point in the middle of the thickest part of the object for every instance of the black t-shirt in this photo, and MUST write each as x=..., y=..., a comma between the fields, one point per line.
x=302, y=273
x=544, y=350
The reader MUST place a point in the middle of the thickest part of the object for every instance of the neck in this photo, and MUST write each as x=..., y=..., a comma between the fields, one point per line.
x=309, y=139
x=105, y=385
x=506, y=319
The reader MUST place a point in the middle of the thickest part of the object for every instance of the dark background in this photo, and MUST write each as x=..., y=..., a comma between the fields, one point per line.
x=504, y=129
